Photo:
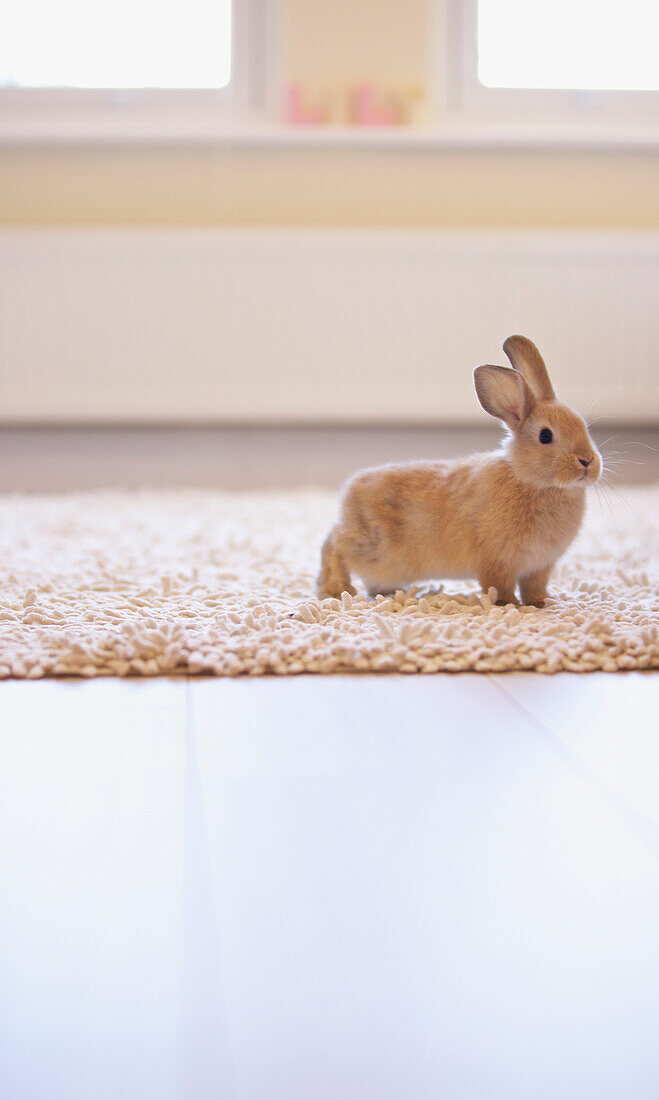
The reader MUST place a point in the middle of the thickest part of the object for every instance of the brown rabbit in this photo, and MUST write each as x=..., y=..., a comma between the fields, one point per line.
x=504, y=517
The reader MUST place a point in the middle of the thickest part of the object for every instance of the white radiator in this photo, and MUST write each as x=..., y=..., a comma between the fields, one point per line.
x=317, y=325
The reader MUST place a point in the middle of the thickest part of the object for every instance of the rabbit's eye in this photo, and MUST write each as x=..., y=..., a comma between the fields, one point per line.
x=546, y=435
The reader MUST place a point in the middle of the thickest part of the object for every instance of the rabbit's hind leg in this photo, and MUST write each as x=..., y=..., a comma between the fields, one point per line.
x=334, y=575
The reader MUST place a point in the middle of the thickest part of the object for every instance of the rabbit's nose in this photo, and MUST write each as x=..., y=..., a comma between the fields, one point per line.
x=585, y=461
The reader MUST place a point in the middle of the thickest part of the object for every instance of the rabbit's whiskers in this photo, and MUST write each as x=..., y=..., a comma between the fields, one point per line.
x=618, y=492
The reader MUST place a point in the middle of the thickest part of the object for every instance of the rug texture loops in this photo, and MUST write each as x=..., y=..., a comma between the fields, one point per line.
x=161, y=583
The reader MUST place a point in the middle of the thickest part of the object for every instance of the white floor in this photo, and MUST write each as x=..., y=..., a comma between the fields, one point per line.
x=334, y=888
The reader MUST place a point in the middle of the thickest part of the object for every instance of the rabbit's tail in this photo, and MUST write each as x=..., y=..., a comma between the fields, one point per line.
x=334, y=575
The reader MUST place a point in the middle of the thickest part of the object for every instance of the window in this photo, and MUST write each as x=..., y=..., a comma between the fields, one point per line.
x=561, y=60
x=133, y=69
x=129, y=44
x=587, y=44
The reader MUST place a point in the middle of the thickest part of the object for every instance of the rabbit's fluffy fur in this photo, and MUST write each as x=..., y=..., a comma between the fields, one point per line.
x=503, y=518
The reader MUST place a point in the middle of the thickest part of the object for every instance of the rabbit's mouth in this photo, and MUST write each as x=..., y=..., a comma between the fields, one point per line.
x=582, y=479
x=590, y=476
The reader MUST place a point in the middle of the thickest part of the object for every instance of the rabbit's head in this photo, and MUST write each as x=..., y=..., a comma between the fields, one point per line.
x=548, y=443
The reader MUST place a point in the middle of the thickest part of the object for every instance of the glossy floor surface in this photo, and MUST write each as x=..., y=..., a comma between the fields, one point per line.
x=267, y=457
x=333, y=888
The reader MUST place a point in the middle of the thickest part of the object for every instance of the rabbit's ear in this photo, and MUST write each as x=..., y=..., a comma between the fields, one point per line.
x=526, y=358
x=504, y=393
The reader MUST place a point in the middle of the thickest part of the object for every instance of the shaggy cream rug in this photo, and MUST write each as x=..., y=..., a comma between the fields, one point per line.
x=151, y=583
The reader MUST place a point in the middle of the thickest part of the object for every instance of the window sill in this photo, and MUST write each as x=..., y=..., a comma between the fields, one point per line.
x=113, y=128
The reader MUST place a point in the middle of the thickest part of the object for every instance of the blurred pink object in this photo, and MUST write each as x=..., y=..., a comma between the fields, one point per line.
x=367, y=110
x=297, y=111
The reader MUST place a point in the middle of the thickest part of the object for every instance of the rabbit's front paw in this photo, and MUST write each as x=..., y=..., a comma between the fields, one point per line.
x=533, y=589
x=504, y=584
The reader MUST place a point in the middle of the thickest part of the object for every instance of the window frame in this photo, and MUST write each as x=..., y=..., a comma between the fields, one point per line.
x=156, y=113
x=476, y=102
x=247, y=111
